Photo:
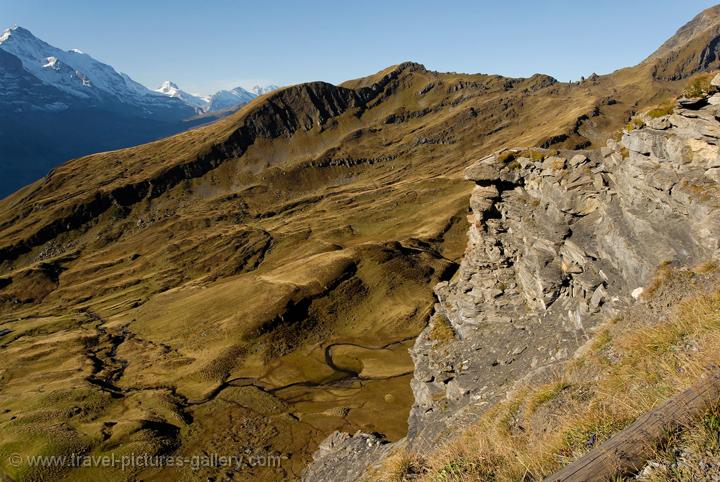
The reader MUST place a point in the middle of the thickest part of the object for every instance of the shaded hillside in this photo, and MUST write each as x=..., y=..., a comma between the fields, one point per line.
x=256, y=283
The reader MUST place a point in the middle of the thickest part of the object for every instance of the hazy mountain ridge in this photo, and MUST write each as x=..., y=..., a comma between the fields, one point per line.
x=259, y=90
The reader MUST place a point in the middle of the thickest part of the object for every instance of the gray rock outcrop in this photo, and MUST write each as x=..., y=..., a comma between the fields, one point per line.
x=342, y=457
x=558, y=243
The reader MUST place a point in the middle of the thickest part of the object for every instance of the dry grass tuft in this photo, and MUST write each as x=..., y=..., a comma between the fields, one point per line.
x=635, y=123
x=546, y=394
x=506, y=156
x=440, y=330
x=662, y=274
x=709, y=266
x=661, y=110
x=532, y=154
x=698, y=86
x=403, y=466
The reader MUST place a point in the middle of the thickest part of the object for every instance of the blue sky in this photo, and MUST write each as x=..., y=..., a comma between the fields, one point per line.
x=211, y=44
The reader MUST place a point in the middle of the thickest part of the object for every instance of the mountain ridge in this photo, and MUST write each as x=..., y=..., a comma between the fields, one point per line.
x=694, y=48
x=568, y=252
x=58, y=104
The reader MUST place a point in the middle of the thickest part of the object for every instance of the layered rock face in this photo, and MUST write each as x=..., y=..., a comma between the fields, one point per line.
x=558, y=242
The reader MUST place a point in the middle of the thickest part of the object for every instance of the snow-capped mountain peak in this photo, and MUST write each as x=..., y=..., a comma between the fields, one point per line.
x=75, y=72
x=60, y=104
x=263, y=89
x=6, y=34
x=80, y=76
x=198, y=102
x=168, y=87
x=16, y=31
x=226, y=99
x=221, y=100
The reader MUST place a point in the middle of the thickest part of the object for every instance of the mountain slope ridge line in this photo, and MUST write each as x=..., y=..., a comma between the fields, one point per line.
x=232, y=147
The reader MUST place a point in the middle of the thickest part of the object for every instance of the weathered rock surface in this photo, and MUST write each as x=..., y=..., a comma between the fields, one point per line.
x=343, y=457
x=559, y=241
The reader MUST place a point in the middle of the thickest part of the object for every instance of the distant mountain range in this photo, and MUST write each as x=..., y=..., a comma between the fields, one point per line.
x=57, y=104
x=220, y=101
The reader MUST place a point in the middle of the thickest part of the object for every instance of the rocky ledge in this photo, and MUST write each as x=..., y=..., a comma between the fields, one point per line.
x=558, y=242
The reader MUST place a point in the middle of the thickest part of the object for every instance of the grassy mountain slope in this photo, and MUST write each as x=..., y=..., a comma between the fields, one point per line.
x=254, y=284
x=695, y=48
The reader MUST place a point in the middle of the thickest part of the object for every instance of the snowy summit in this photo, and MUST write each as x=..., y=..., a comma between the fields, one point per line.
x=221, y=100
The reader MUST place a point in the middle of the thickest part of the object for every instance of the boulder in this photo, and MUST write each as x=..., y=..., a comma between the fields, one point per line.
x=483, y=170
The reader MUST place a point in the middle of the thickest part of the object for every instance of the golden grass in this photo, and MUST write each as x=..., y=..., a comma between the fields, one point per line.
x=440, y=330
x=506, y=156
x=533, y=154
x=662, y=274
x=709, y=266
x=629, y=369
x=402, y=466
x=635, y=123
x=698, y=86
x=661, y=110
x=546, y=393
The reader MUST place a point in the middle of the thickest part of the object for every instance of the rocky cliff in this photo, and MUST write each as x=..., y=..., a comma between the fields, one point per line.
x=558, y=242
